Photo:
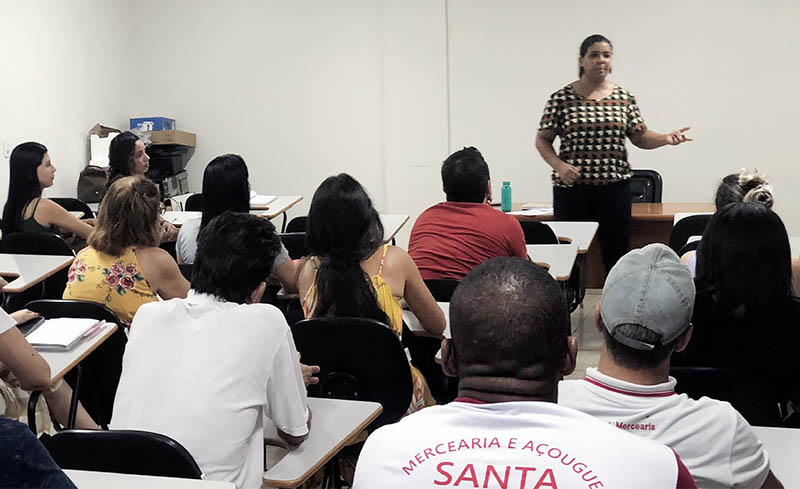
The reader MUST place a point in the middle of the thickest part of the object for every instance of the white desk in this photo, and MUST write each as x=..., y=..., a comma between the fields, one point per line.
x=280, y=205
x=179, y=218
x=416, y=327
x=559, y=258
x=77, y=214
x=784, y=459
x=85, y=479
x=29, y=270
x=392, y=224
x=333, y=423
x=577, y=232
x=61, y=362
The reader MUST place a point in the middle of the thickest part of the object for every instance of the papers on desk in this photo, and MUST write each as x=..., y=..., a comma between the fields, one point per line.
x=533, y=211
x=256, y=199
x=62, y=334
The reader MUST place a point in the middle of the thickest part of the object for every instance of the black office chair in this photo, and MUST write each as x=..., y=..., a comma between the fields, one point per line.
x=359, y=359
x=73, y=204
x=37, y=244
x=100, y=371
x=442, y=288
x=693, y=246
x=121, y=451
x=747, y=393
x=194, y=203
x=685, y=228
x=297, y=224
x=646, y=186
x=295, y=244
x=186, y=270
x=538, y=233
x=169, y=247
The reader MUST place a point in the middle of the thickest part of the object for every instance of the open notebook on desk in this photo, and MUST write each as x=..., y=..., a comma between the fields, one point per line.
x=61, y=334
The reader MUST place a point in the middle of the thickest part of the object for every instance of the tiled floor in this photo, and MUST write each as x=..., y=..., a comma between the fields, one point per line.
x=589, y=339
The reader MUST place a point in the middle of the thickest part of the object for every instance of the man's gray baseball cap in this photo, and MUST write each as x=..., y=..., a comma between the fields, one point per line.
x=651, y=288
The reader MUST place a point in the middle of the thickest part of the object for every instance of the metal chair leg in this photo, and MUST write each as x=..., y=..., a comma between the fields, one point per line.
x=32, y=400
x=73, y=404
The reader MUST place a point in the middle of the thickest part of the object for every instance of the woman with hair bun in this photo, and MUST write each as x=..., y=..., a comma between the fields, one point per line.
x=748, y=187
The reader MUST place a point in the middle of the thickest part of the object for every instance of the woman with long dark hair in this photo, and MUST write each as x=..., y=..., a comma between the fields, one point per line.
x=746, y=314
x=591, y=174
x=127, y=156
x=226, y=188
x=26, y=210
x=354, y=273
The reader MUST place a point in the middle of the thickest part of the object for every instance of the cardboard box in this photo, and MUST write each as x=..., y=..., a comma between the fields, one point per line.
x=99, y=138
x=145, y=124
x=174, y=137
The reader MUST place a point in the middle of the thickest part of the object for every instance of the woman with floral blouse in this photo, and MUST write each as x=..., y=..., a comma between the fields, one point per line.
x=123, y=267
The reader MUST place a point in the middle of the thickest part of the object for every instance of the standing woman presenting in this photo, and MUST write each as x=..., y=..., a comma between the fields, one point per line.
x=591, y=174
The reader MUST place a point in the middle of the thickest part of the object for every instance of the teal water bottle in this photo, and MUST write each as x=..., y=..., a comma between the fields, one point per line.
x=505, y=197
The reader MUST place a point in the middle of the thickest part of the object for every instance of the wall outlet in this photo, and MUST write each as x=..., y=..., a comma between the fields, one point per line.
x=6, y=149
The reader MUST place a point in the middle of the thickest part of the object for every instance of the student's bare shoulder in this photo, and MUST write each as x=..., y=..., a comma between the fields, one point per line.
x=154, y=257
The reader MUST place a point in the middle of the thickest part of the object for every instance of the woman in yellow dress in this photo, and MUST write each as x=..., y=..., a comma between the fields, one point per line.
x=353, y=273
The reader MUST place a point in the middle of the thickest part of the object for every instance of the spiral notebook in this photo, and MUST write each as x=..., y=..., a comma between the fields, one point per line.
x=62, y=334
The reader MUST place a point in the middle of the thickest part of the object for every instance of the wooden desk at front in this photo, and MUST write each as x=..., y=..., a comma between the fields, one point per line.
x=650, y=223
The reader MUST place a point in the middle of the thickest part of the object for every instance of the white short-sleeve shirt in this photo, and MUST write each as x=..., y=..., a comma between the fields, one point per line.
x=512, y=444
x=186, y=244
x=206, y=372
x=713, y=440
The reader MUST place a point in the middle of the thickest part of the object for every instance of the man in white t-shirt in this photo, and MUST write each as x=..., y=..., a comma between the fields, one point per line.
x=207, y=370
x=644, y=315
x=507, y=321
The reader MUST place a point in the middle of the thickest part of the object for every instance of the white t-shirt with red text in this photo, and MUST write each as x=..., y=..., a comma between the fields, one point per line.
x=519, y=445
x=713, y=440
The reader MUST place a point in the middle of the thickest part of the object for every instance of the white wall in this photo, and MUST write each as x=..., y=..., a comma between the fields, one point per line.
x=385, y=89
x=725, y=68
x=64, y=68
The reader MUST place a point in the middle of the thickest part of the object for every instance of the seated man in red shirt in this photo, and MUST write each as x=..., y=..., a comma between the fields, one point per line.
x=451, y=238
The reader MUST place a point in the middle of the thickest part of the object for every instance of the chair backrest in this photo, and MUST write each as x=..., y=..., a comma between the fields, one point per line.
x=646, y=186
x=442, y=288
x=538, y=233
x=295, y=244
x=687, y=227
x=103, y=367
x=748, y=394
x=121, y=451
x=73, y=204
x=297, y=224
x=38, y=244
x=359, y=359
x=194, y=203
x=35, y=244
x=186, y=270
